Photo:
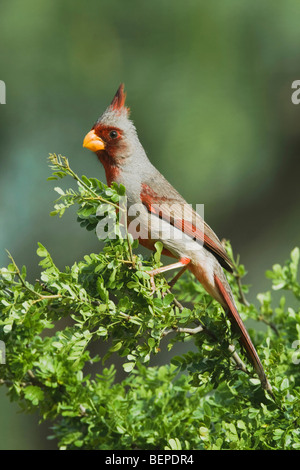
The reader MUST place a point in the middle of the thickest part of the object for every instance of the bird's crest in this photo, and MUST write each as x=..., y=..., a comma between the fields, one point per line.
x=118, y=102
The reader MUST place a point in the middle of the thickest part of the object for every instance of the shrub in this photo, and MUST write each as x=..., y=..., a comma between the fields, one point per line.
x=201, y=400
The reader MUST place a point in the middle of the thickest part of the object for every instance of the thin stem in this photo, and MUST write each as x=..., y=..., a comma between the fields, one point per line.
x=236, y=358
x=63, y=163
x=270, y=324
x=202, y=328
x=131, y=257
x=18, y=273
x=100, y=198
x=190, y=331
x=242, y=298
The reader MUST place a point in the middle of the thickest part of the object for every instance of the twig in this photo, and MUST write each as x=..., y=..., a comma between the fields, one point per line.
x=18, y=273
x=236, y=274
x=202, y=328
x=131, y=256
x=63, y=163
x=270, y=324
x=236, y=358
x=175, y=301
x=45, y=287
x=242, y=298
x=244, y=301
x=190, y=331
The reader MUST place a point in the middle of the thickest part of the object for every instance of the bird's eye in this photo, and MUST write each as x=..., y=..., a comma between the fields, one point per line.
x=113, y=134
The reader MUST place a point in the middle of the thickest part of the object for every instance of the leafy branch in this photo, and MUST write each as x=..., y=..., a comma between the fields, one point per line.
x=61, y=168
x=58, y=367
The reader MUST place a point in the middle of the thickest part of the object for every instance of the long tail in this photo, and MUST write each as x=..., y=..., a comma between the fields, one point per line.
x=245, y=338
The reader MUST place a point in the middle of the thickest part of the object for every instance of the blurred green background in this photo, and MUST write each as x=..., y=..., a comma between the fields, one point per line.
x=209, y=86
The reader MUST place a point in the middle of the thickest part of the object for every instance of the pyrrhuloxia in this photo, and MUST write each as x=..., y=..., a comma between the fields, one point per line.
x=191, y=241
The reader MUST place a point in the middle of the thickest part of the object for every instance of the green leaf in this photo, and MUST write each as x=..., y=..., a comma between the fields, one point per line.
x=159, y=247
x=174, y=444
x=116, y=346
x=284, y=384
x=295, y=255
x=168, y=299
x=34, y=394
x=59, y=191
x=41, y=251
x=128, y=366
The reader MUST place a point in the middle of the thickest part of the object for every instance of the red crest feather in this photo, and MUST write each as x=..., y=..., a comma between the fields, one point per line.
x=118, y=101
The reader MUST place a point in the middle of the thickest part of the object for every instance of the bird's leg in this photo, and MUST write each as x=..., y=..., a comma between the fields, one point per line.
x=178, y=275
x=182, y=262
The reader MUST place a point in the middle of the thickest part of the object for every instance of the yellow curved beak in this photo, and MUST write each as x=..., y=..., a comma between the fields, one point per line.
x=93, y=142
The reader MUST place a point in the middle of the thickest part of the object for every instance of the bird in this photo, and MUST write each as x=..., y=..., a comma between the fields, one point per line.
x=164, y=215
